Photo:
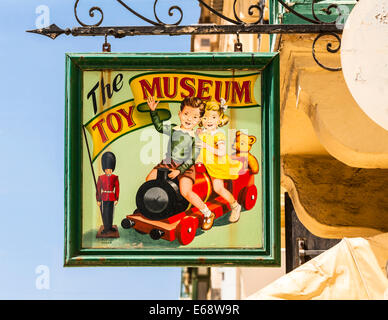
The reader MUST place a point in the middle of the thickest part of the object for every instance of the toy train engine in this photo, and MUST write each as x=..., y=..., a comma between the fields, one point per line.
x=162, y=212
x=160, y=199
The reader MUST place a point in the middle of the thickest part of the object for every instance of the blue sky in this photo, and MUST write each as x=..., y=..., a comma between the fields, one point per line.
x=32, y=151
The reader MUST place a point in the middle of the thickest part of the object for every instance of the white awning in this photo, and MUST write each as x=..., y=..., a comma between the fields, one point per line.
x=348, y=271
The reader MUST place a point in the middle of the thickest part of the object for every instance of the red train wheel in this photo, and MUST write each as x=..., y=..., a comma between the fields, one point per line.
x=249, y=197
x=186, y=229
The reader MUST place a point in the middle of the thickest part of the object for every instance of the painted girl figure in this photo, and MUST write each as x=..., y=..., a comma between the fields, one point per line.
x=214, y=156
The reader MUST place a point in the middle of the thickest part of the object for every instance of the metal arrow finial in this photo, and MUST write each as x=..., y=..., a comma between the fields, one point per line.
x=52, y=31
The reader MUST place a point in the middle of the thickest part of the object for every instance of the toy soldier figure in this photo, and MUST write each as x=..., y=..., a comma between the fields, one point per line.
x=108, y=192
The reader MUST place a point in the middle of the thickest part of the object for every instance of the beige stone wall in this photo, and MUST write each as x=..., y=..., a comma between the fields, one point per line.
x=334, y=158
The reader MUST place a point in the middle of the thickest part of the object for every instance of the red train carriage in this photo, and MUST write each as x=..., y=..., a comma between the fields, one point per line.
x=164, y=214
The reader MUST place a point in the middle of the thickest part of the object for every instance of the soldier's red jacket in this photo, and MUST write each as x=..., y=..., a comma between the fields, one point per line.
x=108, y=188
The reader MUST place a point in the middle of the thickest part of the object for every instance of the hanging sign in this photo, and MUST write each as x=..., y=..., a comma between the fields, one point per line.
x=172, y=159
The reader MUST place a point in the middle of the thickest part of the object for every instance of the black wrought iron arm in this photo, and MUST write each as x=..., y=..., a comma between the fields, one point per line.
x=158, y=27
x=233, y=25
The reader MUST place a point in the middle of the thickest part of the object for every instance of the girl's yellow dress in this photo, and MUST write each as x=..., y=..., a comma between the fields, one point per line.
x=218, y=167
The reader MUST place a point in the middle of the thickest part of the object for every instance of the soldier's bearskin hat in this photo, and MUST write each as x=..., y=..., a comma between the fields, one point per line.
x=108, y=161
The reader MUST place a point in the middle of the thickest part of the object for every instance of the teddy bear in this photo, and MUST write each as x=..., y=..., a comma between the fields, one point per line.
x=243, y=145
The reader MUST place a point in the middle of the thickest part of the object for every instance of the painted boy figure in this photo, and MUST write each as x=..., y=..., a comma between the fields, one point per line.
x=108, y=190
x=182, y=151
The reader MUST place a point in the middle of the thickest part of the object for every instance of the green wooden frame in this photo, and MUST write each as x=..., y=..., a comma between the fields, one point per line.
x=268, y=64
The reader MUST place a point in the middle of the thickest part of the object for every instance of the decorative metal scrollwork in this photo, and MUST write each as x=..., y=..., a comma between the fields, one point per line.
x=236, y=25
x=259, y=7
x=315, y=19
x=91, y=14
x=328, y=11
x=329, y=48
x=170, y=13
x=254, y=10
x=158, y=22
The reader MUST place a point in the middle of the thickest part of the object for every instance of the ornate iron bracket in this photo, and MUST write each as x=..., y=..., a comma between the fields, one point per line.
x=235, y=25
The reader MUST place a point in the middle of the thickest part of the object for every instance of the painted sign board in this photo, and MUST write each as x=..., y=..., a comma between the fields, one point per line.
x=172, y=159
